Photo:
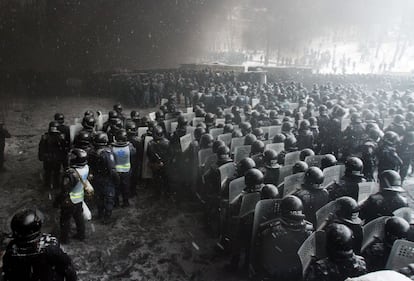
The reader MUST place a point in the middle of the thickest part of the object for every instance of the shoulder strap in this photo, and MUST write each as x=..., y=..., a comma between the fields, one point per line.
x=79, y=176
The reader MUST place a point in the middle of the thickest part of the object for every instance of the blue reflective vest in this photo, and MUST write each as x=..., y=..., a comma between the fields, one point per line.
x=77, y=192
x=122, y=158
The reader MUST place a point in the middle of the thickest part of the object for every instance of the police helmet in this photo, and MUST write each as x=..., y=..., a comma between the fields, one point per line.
x=78, y=157
x=26, y=225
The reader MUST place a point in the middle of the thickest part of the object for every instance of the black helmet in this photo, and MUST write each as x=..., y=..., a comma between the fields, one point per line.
x=209, y=118
x=228, y=128
x=258, y=132
x=134, y=115
x=236, y=134
x=131, y=127
x=244, y=165
x=391, y=138
x=53, y=127
x=279, y=138
x=291, y=208
x=121, y=136
x=228, y=117
x=117, y=124
x=82, y=139
x=305, y=153
x=223, y=153
x=100, y=139
x=159, y=115
x=245, y=128
x=347, y=209
x=253, y=177
x=157, y=133
x=181, y=121
x=88, y=122
x=26, y=225
x=269, y=191
x=60, y=118
x=206, y=141
x=390, y=180
x=299, y=167
x=287, y=126
x=339, y=239
x=249, y=139
x=395, y=228
x=257, y=147
x=290, y=144
x=323, y=109
x=328, y=160
x=118, y=107
x=304, y=125
x=217, y=144
x=88, y=113
x=112, y=115
x=353, y=166
x=313, y=176
x=78, y=157
x=399, y=119
x=198, y=132
x=270, y=158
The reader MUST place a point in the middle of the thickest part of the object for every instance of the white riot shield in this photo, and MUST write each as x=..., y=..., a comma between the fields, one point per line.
x=284, y=171
x=151, y=116
x=387, y=122
x=266, y=130
x=197, y=121
x=248, y=204
x=235, y=143
x=345, y=123
x=236, y=187
x=266, y=142
x=226, y=138
x=216, y=132
x=292, y=157
x=273, y=131
x=366, y=189
x=242, y=152
x=226, y=171
x=255, y=102
x=293, y=183
x=373, y=229
x=190, y=130
x=185, y=142
x=189, y=116
x=167, y=124
x=203, y=154
x=314, y=160
x=164, y=101
x=220, y=121
x=189, y=109
x=142, y=130
x=146, y=170
x=312, y=248
x=333, y=174
x=325, y=214
x=174, y=126
x=406, y=213
x=278, y=147
x=169, y=116
x=211, y=159
x=74, y=130
x=382, y=275
x=402, y=254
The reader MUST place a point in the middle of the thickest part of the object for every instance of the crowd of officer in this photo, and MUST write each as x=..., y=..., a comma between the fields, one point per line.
x=370, y=133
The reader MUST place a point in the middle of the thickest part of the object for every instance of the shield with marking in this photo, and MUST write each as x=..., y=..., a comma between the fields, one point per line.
x=312, y=248
x=242, y=152
x=235, y=142
x=278, y=147
x=366, y=189
x=236, y=187
x=248, y=204
x=402, y=255
x=333, y=174
x=216, y=132
x=373, y=229
x=226, y=138
x=325, y=214
x=203, y=154
x=284, y=171
x=226, y=171
x=185, y=142
x=293, y=183
x=292, y=157
x=314, y=160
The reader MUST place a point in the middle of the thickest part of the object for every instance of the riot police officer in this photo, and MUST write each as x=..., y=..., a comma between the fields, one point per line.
x=159, y=155
x=277, y=242
x=406, y=152
x=63, y=129
x=312, y=194
x=387, y=200
x=348, y=185
x=271, y=168
x=72, y=195
x=256, y=153
x=124, y=153
x=341, y=261
x=32, y=255
x=328, y=160
x=105, y=177
x=305, y=138
x=4, y=134
x=378, y=251
x=83, y=141
x=52, y=152
x=388, y=159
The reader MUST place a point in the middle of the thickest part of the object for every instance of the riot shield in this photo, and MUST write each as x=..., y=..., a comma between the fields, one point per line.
x=278, y=147
x=190, y=130
x=174, y=126
x=382, y=275
x=266, y=142
x=185, y=142
x=74, y=130
x=151, y=116
x=345, y=123
x=242, y=152
x=248, y=203
x=293, y=183
x=142, y=130
x=169, y=116
x=235, y=142
x=366, y=189
x=333, y=174
x=314, y=160
x=146, y=171
x=236, y=186
x=387, y=122
x=226, y=171
x=211, y=159
x=313, y=248
x=325, y=214
x=292, y=157
x=406, y=213
x=197, y=121
x=373, y=229
x=216, y=132
x=273, y=131
x=100, y=119
x=255, y=102
x=284, y=171
x=402, y=254
x=203, y=154
x=226, y=138
x=220, y=121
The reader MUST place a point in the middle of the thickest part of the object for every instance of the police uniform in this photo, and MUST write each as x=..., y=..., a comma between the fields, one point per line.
x=383, y=203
